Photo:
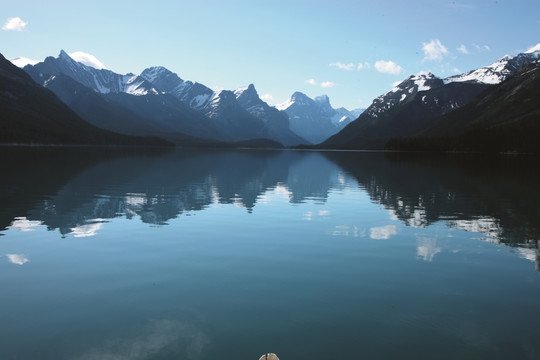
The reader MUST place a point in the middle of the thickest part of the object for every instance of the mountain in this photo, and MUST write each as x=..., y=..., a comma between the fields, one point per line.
x=196, y=95
x=276, y=123
x=100, y=80
x=129, y=103
x=315, y=119
x=403, y=111
x=33, y=114
x=505, y=117
x=232, y=119
x=412, y=106
x=95, y=109
x=239, y=117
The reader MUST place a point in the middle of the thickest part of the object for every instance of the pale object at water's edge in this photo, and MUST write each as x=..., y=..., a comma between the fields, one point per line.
x=269, y=356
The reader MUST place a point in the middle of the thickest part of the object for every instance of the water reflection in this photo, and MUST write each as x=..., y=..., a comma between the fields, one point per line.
x=496, y=198
x=17, y=259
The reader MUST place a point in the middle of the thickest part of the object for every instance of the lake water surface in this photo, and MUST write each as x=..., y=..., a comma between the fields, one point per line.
x=230, y=254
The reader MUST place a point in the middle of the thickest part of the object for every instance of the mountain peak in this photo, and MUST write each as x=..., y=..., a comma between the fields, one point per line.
x=322, y=99
x=65, y=56
x=246, y=92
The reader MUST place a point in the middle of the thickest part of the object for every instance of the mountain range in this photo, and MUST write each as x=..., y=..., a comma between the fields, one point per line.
x=33, y=114
x=417, y=103
x=496, y=103
x=315, y=119
x=160, y=103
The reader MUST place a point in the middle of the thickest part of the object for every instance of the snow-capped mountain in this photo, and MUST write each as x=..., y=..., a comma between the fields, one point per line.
x=276, y=123
x=500, y=70
x=100, y=80
x=196, y=95
x=407, y=89
x=315, y=119
x=412, y=105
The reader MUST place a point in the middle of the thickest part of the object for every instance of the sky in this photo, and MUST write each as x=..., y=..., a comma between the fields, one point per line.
x=353, y=51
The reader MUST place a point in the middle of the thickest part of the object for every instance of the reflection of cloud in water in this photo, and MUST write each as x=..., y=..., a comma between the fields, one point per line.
x=158, y=337
x=427, y=249
x=23, y=224
x=346, y=230
x=17, y=259
x=309, y=215
x=382, y=232
x=87, y=230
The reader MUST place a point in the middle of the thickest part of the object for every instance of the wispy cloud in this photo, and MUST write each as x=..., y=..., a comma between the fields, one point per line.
x=87, y=59
x=311, y=82
x=463, y=49
x=481, y=48
x=327, y=84
x=342, y=66
x=14, y=24
x=434, y=50
x=388, y=67
x=363, y=65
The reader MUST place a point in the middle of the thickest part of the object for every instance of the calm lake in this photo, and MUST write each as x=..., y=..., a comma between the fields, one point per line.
x=206, y=254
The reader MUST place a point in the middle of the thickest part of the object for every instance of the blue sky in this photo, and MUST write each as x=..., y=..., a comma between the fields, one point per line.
x=280, y=46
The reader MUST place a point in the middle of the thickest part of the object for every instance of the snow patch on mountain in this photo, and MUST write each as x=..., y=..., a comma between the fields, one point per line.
x=500, y=70
x=533, y=49
x=408, y=88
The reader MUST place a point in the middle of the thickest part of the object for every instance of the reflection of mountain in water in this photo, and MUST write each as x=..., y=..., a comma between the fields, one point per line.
x=75, y=191
x=496, y=197
x=158, y=187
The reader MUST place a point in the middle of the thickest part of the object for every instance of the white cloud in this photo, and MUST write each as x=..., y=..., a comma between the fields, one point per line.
x=463, y=49
x=87, y=59
x=382, y=232
x=434, y=50
x=14, y=24
x=17, y=259
x=342, y=66
x=327, y=84
x=360, y=66
x=311, y=82
x=22, y=61
x=481, y=48
x=267, y=98
x=456, y=70
x=388, y=67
